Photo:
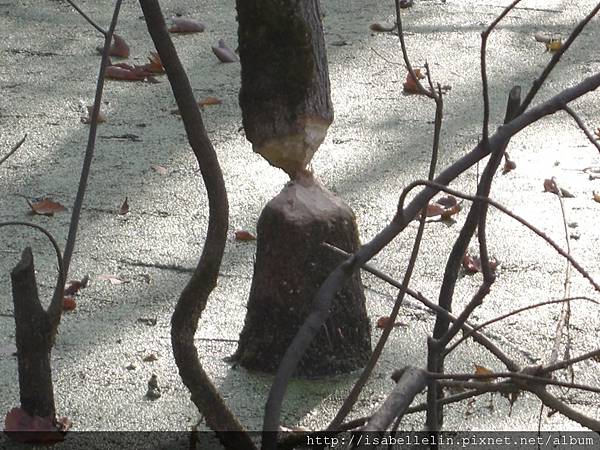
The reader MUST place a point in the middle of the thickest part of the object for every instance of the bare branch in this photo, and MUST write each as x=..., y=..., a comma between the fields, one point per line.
x=467, y=327
x=537, y=84
x=86, y=17
x=509, y=213
x=484, y=80
x=13, y=149
x=409, y=67
x=582, y=126
x=569, y=362
x=410, y=383
x=510, y=314
x=56, y=305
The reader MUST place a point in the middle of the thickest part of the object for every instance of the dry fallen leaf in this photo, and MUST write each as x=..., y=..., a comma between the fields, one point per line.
x=224, y=53
x=472, y=264
x=384, y=322
x=155, y=64
x=124, y=209
x=119, y=47
x=121, y=73
x=480, y=370
x=209, y=101
x=47, y=430
x=509, y=164
x=445, y=207
x=242, y=235
x=69, y=304
x=150, y=358
x=550, y=186
x=74, y=285
x=45, y=207
x=186, y=25
x=596, y=196
x=410, y=86
x=553, y=45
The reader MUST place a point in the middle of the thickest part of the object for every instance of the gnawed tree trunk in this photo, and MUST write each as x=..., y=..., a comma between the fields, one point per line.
x=33, y=338
x=290, y=267
x=286, y=106
x=286, y=109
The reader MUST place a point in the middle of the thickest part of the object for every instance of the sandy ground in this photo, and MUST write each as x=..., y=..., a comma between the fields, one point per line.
x=379, y=142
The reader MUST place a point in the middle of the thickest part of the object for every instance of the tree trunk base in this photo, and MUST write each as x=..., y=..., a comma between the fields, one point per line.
x=290, y=267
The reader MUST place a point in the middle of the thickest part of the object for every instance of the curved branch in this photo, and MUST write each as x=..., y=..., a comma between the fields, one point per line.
x=509, y=213
x=582, y=126
x=194, y=297
x=14, y=149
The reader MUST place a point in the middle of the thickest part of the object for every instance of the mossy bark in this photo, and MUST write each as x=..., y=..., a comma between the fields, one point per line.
x=291, y=265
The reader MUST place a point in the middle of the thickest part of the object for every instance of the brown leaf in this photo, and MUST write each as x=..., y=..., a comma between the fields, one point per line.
x=155, y=64
x=69, y=304
x=74, y=285
x=124, y=209
x=550, y=186
x=596, y=196
x=22, y=427
x=242, y=235
x=119, y=47
x=445, y=207
x=554, y=45
x=150, y=358
x=118, y=72
x=186, y=25
x=480, y=370
x=45, y=207
x=509, y=165
x=597, y=133
x=384, y=322
x=472, y=264
x=209, y=101
x=224, y=53
x=410, y=86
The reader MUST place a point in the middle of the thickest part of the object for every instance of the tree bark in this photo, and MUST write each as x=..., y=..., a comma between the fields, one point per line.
x=33, y=337
x=290, y=267
x=285, y=93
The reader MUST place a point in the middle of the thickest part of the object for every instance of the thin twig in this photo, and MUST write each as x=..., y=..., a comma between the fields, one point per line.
x=582, y=126
x=409, y=67
x=510, y=314
x=569, y=362
x=484, y=80
x=479, y=338
x=537, y=84
x=13, y=149
x=565, y=314
x=86, y=17
x=55, y=308
x=509, y=213
x=514, y=376
x=59, y=258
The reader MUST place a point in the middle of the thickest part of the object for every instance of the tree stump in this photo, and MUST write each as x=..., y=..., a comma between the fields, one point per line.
x=33, y=336
x=291, y=265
